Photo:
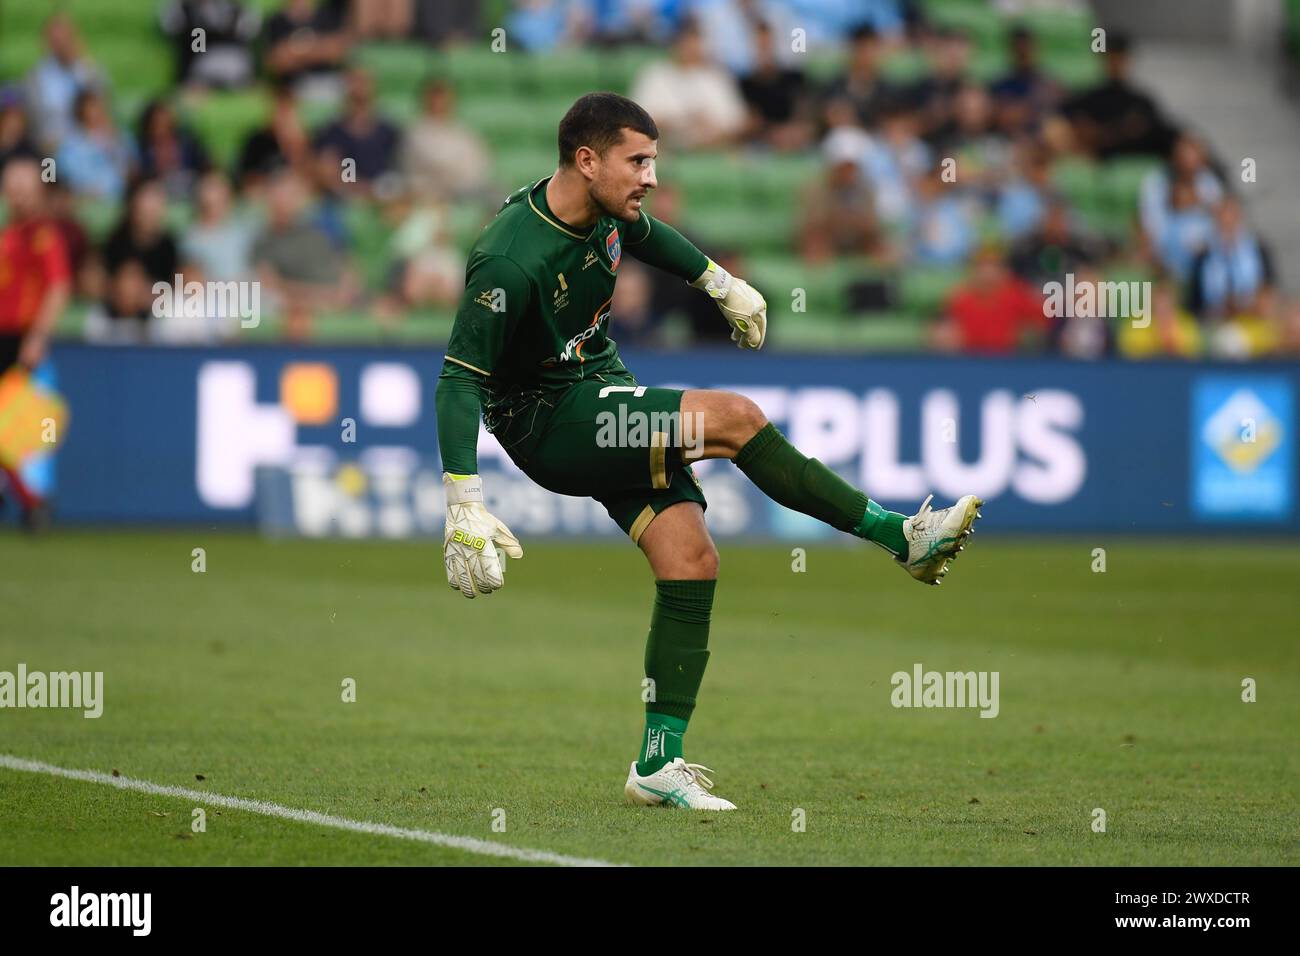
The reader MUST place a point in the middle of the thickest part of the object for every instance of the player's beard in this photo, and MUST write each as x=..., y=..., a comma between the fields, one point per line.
x=613, y=203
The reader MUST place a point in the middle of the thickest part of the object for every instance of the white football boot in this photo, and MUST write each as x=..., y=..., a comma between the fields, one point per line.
x=935, y=537
x=675, y=784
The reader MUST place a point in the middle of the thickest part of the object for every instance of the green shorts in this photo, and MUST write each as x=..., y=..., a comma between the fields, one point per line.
x=620, y=444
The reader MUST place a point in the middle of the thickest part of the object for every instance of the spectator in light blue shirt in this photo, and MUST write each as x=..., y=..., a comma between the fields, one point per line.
x=55, y=81
x=943, y=227
x=1187, y=229
x=95, y=159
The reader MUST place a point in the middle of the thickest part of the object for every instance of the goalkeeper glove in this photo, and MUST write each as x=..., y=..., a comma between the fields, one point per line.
x=744, y=309
x=474, y=539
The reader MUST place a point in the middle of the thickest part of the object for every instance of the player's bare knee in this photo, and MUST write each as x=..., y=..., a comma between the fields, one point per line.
x=745, y=419
x=700, y=562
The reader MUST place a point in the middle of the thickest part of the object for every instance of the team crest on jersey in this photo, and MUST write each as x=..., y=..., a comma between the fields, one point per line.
x=614, y=247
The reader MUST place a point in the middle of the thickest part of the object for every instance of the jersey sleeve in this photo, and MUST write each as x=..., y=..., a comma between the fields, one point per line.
x=496, y=295
x=660, y=245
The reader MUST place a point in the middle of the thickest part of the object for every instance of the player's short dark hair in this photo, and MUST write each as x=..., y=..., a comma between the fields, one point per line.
x=597, y=121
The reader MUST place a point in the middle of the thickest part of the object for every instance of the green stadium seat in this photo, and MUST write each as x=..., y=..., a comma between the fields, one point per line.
x=924, y=289
x=745, y=228
x=222, y=121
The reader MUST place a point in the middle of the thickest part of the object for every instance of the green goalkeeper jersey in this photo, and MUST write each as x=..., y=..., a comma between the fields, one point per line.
x=534, y=318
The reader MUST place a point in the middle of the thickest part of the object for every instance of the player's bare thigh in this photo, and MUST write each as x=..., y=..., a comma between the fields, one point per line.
x=717, y=424
x=678, y=546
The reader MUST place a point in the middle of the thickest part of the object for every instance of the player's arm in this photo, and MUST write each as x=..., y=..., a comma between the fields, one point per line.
x=496, y=295
x=660, y=245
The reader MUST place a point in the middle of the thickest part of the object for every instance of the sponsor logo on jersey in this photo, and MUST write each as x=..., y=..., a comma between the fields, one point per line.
x=573, y=347
x=614, y=248
x=494, y=299
x=591, y=260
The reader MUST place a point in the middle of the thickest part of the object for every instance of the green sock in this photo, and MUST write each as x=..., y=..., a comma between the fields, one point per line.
x=661, y=743
x=790, y=478
x=676, y=653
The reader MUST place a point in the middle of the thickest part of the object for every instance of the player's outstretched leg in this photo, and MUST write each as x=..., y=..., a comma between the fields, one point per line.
x=685, y=565
x=734, y=427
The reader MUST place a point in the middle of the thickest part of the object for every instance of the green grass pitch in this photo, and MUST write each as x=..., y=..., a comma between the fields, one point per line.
x=1118, y=690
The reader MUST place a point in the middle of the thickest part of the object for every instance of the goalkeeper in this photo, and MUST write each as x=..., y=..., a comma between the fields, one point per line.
x=530, y=352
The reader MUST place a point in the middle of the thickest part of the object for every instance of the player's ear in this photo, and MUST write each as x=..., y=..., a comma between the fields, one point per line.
x=586, y=160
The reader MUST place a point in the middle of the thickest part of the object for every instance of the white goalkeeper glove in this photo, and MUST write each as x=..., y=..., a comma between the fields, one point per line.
x=744, y=309
x=474, y=539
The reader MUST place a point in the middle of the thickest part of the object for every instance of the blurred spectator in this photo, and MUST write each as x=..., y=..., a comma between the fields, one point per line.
x=1247, y=335
x=94, y=158
x=443, y=21
x=428, y=268
x=306, y=43
x=140, y=251
x=56, y=81
x=695, y=103
x=229, y=29
x=730, y=30
x=669, y=295
x=1288, y=343
x=1054, y=248
x=982, y=151
x=284, y=141
x=361, y=137
x=217, y=247
x=613, y=22
x=839, y=210
x=1188, y=226
x=1085, y=334
x=894, y=159
x=991, y=311
x=542, y=25
x=827, y=21
x=83, y=261
x=943, y=229
x=1187, y=163
x=383, y=19
x=168, y=152
x=297, y=262
x=776, y=97
x=1233, y=271
x=1025, y=94
x=861, y=86
x=1173, y=332
x=15, y=135
x=441, y=156
x=1115, y=118
x=633, y=320
x=1024, y=197
x=935, y=94
x=34, y=290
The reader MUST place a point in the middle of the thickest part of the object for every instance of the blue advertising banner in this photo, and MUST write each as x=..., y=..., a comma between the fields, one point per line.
x=324, y=441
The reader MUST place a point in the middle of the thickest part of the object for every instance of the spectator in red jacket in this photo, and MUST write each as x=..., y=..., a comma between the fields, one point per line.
x=992, y=311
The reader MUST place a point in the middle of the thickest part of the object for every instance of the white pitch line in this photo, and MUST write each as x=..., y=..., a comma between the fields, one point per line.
x=268, y=809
